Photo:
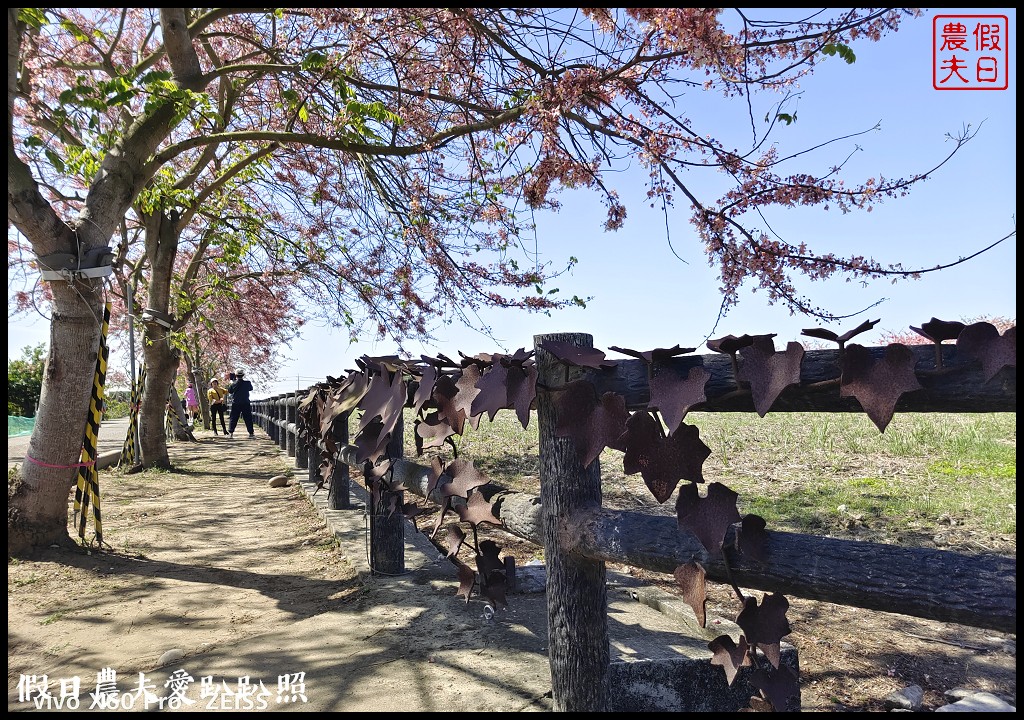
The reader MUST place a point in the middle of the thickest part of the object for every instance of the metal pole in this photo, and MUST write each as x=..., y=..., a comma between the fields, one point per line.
x=131, y=362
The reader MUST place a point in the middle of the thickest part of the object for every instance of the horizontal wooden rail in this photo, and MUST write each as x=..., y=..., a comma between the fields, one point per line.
x=950, y=389
x=980, y=591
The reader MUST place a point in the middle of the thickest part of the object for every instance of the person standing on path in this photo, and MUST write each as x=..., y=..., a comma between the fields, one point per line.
x=218, y=404
x=240, y=406
x=192, y=408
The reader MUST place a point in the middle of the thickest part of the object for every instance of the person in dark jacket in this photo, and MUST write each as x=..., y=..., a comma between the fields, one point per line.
x=239, y=390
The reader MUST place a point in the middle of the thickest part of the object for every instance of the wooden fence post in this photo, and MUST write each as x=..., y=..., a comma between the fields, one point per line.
x=282, y=422
x=577, y=595
x=290, y=403
x=301, y=448
x=387, y=533
x=338, y=497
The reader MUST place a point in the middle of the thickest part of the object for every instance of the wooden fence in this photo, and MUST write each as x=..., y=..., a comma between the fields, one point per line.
x=579, y=536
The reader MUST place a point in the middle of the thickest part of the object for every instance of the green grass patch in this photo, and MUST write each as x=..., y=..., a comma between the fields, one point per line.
x=812, y=472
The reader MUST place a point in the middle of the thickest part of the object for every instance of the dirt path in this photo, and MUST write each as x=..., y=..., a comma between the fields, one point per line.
x=244, y=580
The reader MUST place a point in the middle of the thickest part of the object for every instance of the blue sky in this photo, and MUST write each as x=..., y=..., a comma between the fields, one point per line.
x=645, y=297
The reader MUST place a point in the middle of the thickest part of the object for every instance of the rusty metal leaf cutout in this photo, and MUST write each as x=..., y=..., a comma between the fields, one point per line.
x=878, y=384
x=674, y=396
x=477, y=510
x=433, y=430
x=384, y=399
x=752, y=538
x=522, y=389
x=770, y=372
x=591, y=424
x=690, y=578
x=467, y=392
x=765, y=625
x=492, y=392
x=580, y=357
x=434, y=475
x=709, y=517
x=371, y=442
x=730, y=656
x=509, y=383
x=487, y=559
x=411, y=510
x=446, y=505
x=653, y=356
x=455, y=538
x=445, y=391
x=663, y=461
x=347, y=396
x=981, y=341
x=464, y=478
x=730, y=344
x=326, y=470
x=841, y=339
x=467, y=579
x=939, y=330
x=779, y=685
x=425, y=388
x=494, y=588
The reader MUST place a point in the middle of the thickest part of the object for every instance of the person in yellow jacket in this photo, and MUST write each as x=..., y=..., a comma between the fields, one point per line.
x=218, y=405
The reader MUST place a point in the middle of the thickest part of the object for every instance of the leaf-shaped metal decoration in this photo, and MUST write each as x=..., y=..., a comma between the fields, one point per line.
x=940, y=330
x=347, y=396
x=384, y=399
x=981, y=341
x=765, y=625
x=841, y=339
x=780, y=685
x=464, y=478
x=592, y=424
x=371, y=442
x=434, y=475
x=522, y=389
x=691, y=580
x=477, y=510
x=455, y=538
x=752, y=538
x=730, y=344
x=770, y=372
x=425, y=387
x=674, y=396
x=937, y=331
x=580, y=357
x=878, y=385
x=653, y=356
x=494, y=588
x=467, y=393
x=730, y=656
x=487, y=559
x=446, y=505
x=467, y=579
x=433, y=430
x=445, y=391
x=412, y=510
x=663, y=461
x=492, y=392
x=709, y=517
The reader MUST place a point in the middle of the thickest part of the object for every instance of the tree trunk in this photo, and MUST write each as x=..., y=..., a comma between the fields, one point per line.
x=37, y=500
x=161, y=363
x=161, y=359
x=577, y=596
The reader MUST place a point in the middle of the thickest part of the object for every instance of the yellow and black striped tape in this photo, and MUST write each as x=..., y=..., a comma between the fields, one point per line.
x=88, y=490
x=129, y=452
